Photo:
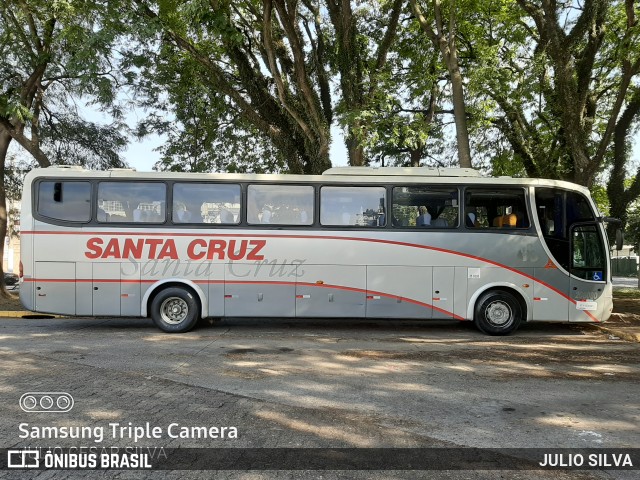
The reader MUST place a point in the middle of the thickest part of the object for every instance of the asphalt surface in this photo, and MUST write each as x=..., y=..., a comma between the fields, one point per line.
x=625, y=282
x=327, y=384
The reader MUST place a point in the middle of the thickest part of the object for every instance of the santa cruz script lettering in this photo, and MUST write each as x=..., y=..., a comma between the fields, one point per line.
x=165, y=248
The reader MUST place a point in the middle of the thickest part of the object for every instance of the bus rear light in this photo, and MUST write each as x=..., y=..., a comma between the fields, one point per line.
x=21, y=271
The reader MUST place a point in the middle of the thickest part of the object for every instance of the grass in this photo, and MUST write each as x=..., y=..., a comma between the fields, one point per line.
x=626, y=293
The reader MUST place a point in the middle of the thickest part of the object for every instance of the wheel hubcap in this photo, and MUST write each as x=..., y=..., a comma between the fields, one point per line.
x=174, y=310
x=499, y=313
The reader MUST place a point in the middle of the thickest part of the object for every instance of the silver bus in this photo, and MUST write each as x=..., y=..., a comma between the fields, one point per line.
x=357, y=242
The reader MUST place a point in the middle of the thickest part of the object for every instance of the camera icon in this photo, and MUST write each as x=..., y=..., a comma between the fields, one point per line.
x=52, y=402
x=25, y=458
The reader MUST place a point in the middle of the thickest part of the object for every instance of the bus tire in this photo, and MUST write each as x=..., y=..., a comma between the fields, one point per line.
x=175, y=310
x=497, y=312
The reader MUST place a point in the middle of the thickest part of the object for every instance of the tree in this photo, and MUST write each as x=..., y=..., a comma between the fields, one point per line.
x=623, y=193
x=272, y=65
x=205, y=133
x=445, y=40
x=402, y=121
x=372, y=29
x=55, y=54
x=561, y=98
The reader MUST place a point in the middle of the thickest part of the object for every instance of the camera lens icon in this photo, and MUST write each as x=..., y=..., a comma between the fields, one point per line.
x=52, y=402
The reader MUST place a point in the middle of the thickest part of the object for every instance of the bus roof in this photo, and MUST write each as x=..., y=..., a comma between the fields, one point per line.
x=402, y=171
x=349, y=175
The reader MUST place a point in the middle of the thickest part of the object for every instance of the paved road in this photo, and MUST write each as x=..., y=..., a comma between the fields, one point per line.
x=625, y=282
x=330, y=384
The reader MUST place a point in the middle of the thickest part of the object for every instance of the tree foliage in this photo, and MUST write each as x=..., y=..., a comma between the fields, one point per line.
x=561, y=81
x=60, y=54
x=269, y=67
x=444, y=37
x=203, y=131
x=56, y=54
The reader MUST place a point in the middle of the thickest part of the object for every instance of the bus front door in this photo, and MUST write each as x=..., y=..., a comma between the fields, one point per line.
x=588, y=273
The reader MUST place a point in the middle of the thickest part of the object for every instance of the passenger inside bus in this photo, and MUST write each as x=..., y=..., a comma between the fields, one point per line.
x=545, y=216
x=439, y=222
x=102, y=215
x=265, y=217
x=424, y=218
x=471, y=220
x=182, y=215
x=509, y=219
x=253, y=210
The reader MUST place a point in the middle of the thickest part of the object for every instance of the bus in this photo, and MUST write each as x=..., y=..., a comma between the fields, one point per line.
x=355, y=242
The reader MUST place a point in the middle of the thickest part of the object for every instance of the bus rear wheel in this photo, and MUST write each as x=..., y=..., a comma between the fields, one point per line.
x=498, y=312
x=175, y=310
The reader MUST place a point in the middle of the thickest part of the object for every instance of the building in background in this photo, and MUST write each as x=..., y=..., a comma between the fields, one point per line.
x=11, y=258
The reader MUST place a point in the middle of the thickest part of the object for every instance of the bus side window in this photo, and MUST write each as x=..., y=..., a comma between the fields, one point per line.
x=280, y=204
x=206, y=203
x=352, y=206
x=421, y=206
x=68, y=200
x=140, y=202
x=504, y=208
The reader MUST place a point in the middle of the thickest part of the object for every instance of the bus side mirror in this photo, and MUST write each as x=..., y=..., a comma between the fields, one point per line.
x=619, y=234
x=619, y=239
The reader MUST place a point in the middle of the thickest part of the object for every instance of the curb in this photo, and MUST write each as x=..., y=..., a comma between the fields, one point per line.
x=23, y=313
x=15, y=313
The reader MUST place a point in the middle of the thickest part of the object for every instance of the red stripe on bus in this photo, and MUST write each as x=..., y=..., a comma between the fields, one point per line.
x=252, y=282
x=312, y=237
x=86, y=280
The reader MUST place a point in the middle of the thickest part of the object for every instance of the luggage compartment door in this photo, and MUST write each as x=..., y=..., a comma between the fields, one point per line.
x=106, y=289
x=443, y=291
x=56, y=287
x=399, y=292
x=331, y=291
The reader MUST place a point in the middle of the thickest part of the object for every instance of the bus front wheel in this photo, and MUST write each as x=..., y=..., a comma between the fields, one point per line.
x=498, y=312
x=174, y=310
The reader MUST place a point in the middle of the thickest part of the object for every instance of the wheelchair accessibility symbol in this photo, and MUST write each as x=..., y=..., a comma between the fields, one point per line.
x=597, y=276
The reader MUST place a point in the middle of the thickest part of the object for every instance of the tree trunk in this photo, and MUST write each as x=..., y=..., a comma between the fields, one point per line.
x=460, y=114
x=355, y=150
x=619, y=197
x=5, y=140
x=416, y=156
x=447, y=47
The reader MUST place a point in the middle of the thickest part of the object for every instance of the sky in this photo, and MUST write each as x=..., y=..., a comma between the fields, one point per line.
x=141, y=155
